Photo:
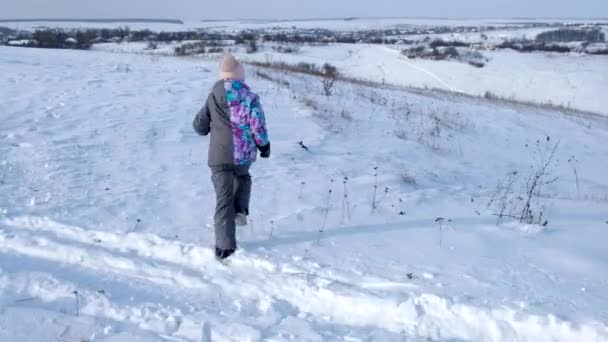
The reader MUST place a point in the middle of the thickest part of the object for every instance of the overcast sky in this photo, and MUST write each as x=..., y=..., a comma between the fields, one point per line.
x=290, y=9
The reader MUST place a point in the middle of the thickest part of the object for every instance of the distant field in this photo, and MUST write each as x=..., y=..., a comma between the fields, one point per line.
x=574, y=80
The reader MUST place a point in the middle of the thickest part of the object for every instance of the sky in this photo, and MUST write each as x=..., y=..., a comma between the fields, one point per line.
x=300, y=9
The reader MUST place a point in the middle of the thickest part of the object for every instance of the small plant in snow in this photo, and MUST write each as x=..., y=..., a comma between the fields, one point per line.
x=330, y=76
x=345, y=114
x=440, y=221
x=346, y=209
x=375, y=188
x=401, y=209
x=301, y=143
x=504, y=197
x=573, y=162
x=77, y=302
x=122, y=68
x=271, y=229
x=326, y=212
x=252, y=46
x=539, y=178
x=302, y=184
x=152, y=45
x=524, y=204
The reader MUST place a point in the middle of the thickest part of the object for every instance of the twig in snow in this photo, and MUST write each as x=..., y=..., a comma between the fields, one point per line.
x=401, y=210
x=375, y=188
x=327, y=209
x=440, y=220
x=25, y=300
x=503, y=196
x=302, y=184
x=77, y=304
x=573, y=161
x=346, y=212
x=535, y=182
x=384, y=196
x=271, y=229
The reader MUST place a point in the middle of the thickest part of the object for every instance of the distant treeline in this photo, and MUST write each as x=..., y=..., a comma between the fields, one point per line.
x=85, y=37
x=64, y=38
x=565, y=35
x=563, y=40
x=558, y=40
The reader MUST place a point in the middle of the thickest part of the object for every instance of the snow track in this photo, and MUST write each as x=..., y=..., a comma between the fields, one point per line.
x=177, y=267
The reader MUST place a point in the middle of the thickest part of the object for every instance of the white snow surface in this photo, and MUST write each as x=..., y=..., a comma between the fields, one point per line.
x=569, y=80
x=574, y=81
x=106, y=206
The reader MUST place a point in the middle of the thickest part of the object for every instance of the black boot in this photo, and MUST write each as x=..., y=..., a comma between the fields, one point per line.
x=222, y=254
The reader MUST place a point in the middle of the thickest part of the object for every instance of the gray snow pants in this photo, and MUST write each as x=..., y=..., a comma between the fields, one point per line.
x=232, y=190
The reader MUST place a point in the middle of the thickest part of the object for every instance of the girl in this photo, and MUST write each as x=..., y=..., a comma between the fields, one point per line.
x=234, y=117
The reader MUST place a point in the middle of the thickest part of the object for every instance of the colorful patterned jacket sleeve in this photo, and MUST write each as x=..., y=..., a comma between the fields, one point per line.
x=258, y=123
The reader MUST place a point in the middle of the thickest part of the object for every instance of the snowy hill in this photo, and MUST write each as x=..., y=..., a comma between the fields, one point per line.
x=573, y=81
x=378, y=230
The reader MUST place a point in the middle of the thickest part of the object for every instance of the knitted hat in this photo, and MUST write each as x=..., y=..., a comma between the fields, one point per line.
x=231, y=69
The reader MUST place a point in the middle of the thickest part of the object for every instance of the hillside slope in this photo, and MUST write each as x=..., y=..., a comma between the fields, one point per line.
x=106, y=204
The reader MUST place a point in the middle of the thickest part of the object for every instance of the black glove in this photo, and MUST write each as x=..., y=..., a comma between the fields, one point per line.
x=264, y=151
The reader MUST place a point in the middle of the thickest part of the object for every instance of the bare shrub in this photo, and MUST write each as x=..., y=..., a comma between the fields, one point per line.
x=573, y=162
x=270, y=78
x=408, y=177
x=330, y=75
x=452, y=43
x=215, y=49
x=490, y=95
x=328, y=84
x=520, y=197
x=309, y=68
x=434, y=128
x=152, y=45
x=565, y=35
x=504, y=195
x=310, y=103
x=523, y=45
x=252, y=46
x=345, y=114
x=285, y=49
x=440, y=51
x=188, y=49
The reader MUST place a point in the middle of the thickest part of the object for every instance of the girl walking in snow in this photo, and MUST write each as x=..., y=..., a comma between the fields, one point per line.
x=234, y=117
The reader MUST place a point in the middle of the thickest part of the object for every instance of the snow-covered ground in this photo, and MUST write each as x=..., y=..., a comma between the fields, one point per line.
x=106, y=207
x=570, y=80
x=575, y=81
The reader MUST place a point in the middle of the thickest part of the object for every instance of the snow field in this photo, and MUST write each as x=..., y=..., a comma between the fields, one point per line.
x=105, y=191
x=572, y=81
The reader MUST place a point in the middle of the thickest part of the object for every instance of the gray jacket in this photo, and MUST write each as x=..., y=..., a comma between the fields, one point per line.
x=215, y=116
x=232, y=112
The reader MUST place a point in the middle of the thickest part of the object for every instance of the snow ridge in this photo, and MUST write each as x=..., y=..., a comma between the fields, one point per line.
x=177, y=266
